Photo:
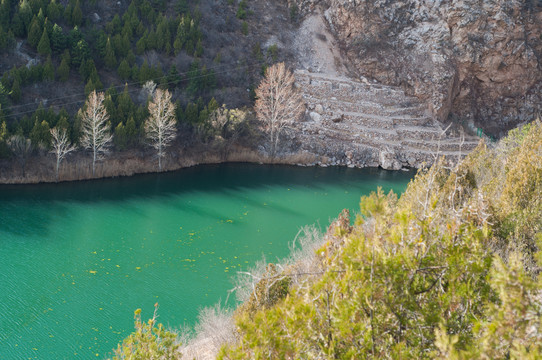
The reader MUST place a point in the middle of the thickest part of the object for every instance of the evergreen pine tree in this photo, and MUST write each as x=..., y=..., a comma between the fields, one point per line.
x=181, y=6
x=173, y=77
x=124, y=70
x=120, y=137
x=63, y=70
x=3, y=38
x=5, y=11
x=125, y=105
x=63, y=122
x=178, y=44
x=68, y=10
x=54, y=11
x=17, y=24
x=74, y=37
x=191, y=113
x=48, y=70
x=34, y=33
x=145, y=72
x=110, y=59
x=77, y=15
x=16, y=90
x=40, y=134
x=58, y=40
x=44, y=46
x=135, y=73
x=131, y=131
x=141, y=44
x=213, y=105
x=89, y=87
x=199, y=49
x=81, y=53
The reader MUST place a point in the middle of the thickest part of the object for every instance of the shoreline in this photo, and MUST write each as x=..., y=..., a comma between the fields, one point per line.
x=40, y=169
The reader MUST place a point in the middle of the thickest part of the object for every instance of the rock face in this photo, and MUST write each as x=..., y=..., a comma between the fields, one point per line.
x=359, y=124
x=475, y=60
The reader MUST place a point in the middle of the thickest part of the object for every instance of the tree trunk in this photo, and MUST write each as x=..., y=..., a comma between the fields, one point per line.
x=57, y=167
x=93, y=162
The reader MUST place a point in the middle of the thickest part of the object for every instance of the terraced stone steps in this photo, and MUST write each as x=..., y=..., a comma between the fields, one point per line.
x=362, y=124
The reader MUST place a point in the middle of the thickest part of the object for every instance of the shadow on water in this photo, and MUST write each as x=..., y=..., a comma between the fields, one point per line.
x=28, y=202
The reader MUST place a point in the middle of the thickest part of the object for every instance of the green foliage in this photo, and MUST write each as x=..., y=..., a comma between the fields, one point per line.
x=446, y=271
x=16, y=91
x=63, y=70
x=58, y=40
x=54, y=11
x=77, y=15
x=244, y=28
x=150, y=340
x=273, y=51
x=48, y=70
x=35, y=33
x=181, y=6
x=44, y=46
x=242, y=10
x=40, y=134
x=110, y=59
x=124, y=70
x=80, y=53
x=200, y=80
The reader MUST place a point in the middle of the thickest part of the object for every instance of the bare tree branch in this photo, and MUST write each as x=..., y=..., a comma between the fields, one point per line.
x=61, y=146
x=160, y=127
x=96, y=135
x=278, y=102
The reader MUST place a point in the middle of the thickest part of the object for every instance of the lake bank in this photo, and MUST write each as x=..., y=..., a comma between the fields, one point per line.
x=78, y=166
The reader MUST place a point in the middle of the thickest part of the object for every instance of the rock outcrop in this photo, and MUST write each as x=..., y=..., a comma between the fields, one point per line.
x=359, y=124
x=475, y=60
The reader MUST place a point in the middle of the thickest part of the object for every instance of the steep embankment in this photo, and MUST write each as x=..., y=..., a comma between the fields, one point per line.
x=448, y=271
x=478, y=61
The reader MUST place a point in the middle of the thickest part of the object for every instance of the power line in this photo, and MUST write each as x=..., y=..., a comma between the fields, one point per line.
x=247, y=66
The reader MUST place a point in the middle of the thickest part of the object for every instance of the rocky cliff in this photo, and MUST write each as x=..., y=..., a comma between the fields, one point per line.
x=477, y=61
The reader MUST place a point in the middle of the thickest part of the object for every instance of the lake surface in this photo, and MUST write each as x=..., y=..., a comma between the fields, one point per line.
x=76, y=259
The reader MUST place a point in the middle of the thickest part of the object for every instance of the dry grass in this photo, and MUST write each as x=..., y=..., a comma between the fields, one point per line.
x=215, y=328
x=301, y=262
x=78, y=166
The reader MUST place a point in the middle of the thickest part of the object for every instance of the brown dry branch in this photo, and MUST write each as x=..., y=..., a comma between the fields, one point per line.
x=278, y=102
x=160, y=127
x=21, y=148
x=96, y=134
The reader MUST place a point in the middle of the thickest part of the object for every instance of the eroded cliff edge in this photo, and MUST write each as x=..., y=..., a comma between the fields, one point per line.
x=475, y=61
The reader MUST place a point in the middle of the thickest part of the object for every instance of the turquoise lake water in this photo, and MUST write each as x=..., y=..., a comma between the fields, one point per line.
x=76, y=259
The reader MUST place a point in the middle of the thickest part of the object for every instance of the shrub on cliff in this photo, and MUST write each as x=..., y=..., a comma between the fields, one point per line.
x=446, y=271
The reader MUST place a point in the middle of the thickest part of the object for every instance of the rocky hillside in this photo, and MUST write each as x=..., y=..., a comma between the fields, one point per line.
x=359, y=124
x=475, y=61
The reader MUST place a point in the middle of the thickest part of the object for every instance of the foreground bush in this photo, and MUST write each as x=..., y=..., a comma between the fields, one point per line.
x=447, y=271
x=149, y=341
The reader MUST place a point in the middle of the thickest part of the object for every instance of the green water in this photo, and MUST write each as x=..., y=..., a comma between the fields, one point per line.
x=77, y=259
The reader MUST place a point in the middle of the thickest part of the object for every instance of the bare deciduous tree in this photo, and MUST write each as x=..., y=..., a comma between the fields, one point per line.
x=61, y=146
x=160, y=127
x=96, y=134
x=21, y=148
x=278, y=102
